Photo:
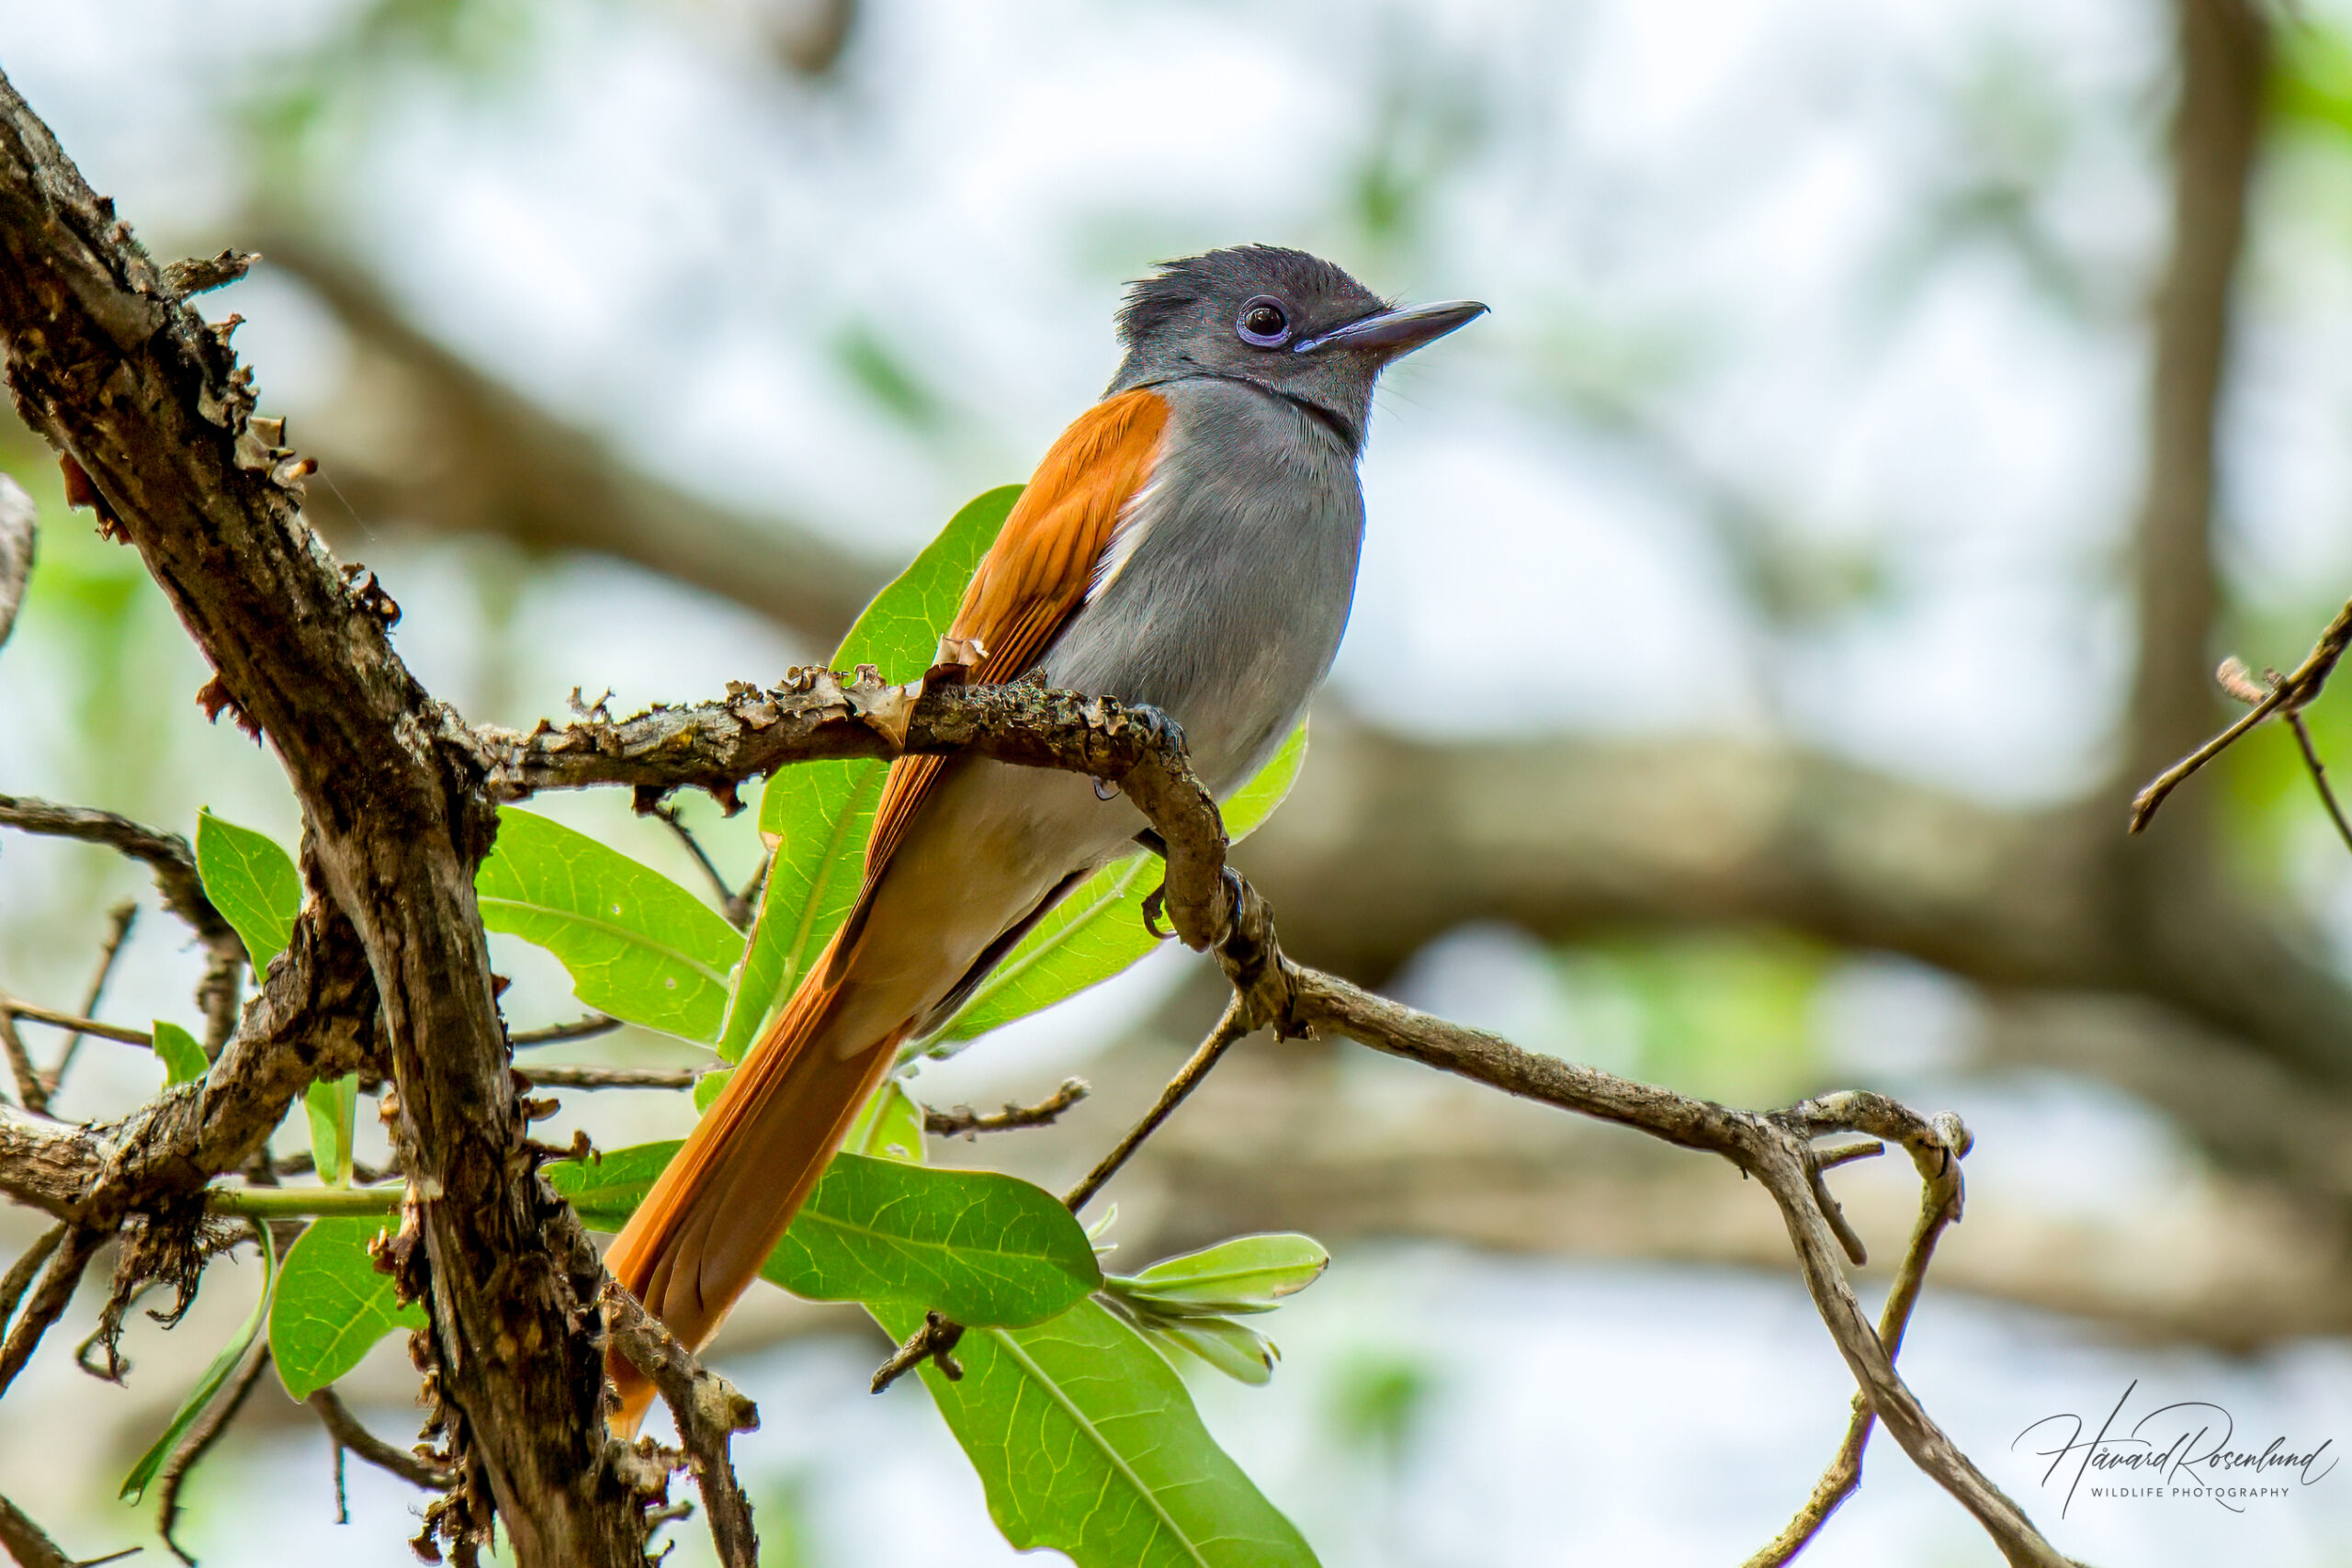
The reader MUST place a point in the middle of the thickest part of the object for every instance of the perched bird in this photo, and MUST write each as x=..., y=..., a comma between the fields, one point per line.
x=1190, y=542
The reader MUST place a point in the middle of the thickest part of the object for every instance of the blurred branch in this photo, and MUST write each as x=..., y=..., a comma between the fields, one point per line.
x=165, y=854
x=118, y=923
x=2222, y=54
x=31, y=1546
x=1574, y=840
x=964, y=1122
x=610, y=1077
x=67, y=1261
x=30, y=1089
x=737, y=906
x=13, y=1006
x=352, y=1436
x=199, y=1442
x=556, y=1033
x=17, y=539
x=423, y=437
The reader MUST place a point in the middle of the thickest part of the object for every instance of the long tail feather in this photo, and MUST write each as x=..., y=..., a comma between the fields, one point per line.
x=729, y=1195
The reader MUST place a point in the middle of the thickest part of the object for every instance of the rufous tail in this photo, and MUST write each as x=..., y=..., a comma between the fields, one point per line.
x=729, y=1194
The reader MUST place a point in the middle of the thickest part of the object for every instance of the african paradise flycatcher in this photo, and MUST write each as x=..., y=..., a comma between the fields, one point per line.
x=1188, y=543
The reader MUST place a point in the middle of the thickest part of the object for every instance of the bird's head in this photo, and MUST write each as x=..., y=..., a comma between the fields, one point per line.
x=1282, y=320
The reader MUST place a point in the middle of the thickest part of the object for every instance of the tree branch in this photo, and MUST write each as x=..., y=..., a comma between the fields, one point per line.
x=499, y=465
x=1230, y=1028
x=1939, y=1205
x=118, y=923
x=709, y=1413
x=147, y=400
x=351, y=1435
x=964, y=1123
x=167, y=855
x=2223, y=53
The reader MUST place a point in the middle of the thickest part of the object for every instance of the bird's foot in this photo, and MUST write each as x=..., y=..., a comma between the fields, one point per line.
x=1163, y=729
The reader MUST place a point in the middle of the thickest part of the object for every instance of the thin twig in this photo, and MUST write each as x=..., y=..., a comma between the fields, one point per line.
x=198, y=1443
x=611, y=1078
x=2319, y=774
x=118, y=930
x=1939, y=1205
x=1233, y=1026
x=963, y=1120
x=736, y=907
x=49, y=1301
x=31, y=1546
x=30, y=1091
x=165, y=854
x=350, y=1434
x=710, y=1412
x=555, y=1034
x=2292, y=692
x=933, y=1342
x=19, y=1277
x=75, y=1022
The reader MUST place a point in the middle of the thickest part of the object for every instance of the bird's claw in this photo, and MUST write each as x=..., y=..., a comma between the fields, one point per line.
x=1155, y=722
x=1155, y=904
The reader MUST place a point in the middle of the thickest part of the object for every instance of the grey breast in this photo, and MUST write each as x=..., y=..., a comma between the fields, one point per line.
x=1232, y=580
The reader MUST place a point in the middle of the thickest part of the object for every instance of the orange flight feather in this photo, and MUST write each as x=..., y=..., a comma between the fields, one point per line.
x=726, y=1197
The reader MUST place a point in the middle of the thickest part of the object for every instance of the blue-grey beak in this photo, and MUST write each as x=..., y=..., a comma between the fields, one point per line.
x=1396, y=333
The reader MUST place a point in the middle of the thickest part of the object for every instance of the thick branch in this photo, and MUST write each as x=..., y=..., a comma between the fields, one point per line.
x=315, y=1017
x=108, y=366
x=420, y=436
x=1573, y=840
x=2222, y=51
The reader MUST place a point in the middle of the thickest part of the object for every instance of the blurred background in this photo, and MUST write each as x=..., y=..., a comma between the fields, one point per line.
x=1889, y=414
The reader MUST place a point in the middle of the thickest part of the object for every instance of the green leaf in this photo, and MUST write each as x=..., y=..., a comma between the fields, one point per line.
x=980, y=1247
x=332, y=1305
x=638, y=945
x=819, y=815
x=983, y=1247
x=606, y=1190
x=1239, y=1352
x=1098, y=930
x=898, y=633
x=1250, y=1273
x=333, y=1106
x=252, y=882
x=707, y=1087
x=207, y=1387
x=1254, y=802
x=1087, y=1442
x=889, y=1127
x=182, y=1057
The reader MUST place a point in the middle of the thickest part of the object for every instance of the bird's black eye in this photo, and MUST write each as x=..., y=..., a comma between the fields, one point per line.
x=1264, y=324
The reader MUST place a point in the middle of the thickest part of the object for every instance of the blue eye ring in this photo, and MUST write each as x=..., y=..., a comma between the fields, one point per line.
x=1264, y=324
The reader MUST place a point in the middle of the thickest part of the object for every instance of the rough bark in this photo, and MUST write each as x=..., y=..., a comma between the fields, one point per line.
x=107, y=364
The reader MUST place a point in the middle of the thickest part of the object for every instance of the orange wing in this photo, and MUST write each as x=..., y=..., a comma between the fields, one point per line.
x=1032, y=581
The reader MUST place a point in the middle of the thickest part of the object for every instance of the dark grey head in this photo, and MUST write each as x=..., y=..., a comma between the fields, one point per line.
x=1284, y=320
